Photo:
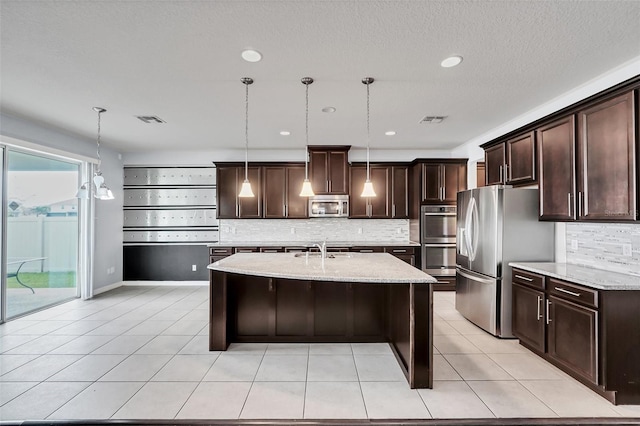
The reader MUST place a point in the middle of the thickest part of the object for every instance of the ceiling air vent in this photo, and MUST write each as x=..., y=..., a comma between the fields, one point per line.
x=433, y=119
x=150, y=119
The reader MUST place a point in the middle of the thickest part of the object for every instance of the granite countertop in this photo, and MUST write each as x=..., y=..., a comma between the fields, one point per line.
x=310, y=243
x=344, y=267
x=589, y=277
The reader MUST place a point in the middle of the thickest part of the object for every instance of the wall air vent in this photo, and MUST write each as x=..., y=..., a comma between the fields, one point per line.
x=433, y=119
x=150, y=119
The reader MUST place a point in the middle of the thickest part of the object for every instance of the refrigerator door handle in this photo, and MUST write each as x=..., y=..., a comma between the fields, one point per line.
x=471, y=229
x=474, y=277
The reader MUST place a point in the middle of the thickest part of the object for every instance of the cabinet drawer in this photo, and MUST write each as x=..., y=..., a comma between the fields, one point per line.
x=220, y=251
x=271, y=250
x=527, y=278
x=367, y=249
x=246, y=250
x=573, y=292
x=400, y=250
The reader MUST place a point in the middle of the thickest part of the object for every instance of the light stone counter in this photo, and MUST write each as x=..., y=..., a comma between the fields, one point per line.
x=347, y=267
x=589, y=277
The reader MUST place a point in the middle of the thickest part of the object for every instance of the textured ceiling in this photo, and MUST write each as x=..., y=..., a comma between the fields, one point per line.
x=180, y=60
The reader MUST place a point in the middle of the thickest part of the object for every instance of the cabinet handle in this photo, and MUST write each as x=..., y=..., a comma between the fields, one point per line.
x=399, y=250
x=567, y=292
x=393, y=210
x=538, y=316
x=328, y=185
x=219, y=250
x=501, y=170
x=523, y=278
x=579, y=204
x=366, y=251
x=548, y=316
x=569, y=203
x=507, y=174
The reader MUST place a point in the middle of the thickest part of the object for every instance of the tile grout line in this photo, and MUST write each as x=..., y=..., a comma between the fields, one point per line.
x=364, y=403
x=246, y=398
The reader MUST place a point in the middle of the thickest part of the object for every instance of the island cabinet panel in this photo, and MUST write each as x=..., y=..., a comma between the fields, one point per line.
x=330, y=309
x=290, y=296
x=556, y=170
x=607, y=160
x=368, y=310
x=252, y=300
x=329, y=169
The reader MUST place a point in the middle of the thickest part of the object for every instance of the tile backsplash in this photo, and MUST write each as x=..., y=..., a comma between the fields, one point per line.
x=314, y=230
x=613, y=247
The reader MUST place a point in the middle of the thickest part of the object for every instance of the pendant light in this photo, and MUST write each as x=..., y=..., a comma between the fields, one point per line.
x=246, y=191
x=102, y=191
x=307, y=190
x=367, y=190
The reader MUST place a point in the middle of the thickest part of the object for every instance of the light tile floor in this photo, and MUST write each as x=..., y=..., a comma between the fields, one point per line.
x=141, y=352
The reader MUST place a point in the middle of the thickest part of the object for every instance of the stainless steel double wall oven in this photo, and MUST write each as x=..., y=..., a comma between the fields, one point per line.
x=438, y=240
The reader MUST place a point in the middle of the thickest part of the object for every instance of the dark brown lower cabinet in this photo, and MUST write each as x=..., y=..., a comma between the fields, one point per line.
x=591, y=334
x=445, y=283
x=528, y=321
x=572, y=337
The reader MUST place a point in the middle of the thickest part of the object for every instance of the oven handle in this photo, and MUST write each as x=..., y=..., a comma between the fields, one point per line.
x=439, y=214
x=441, y=245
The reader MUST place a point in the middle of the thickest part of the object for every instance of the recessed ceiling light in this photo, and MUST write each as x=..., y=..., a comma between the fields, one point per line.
x=285, y=133
x=328, y=109
x=251, y=55
x=390, y=133
x=451, y=61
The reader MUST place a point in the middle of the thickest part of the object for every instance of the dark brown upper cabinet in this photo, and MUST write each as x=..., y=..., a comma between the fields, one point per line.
x=556, y=170
x=281, y=189
x=228, y=182
x=521, y=159
x=511, y=162
x=606, y=148
x=494, y=162
x=369, y=207
x=442, y=180
x=329, y=169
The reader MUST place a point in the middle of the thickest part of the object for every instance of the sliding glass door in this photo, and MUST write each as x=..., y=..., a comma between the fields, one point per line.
x=41, y=231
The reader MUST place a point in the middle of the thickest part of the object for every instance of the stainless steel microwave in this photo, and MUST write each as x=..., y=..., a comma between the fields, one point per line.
x=329, y=206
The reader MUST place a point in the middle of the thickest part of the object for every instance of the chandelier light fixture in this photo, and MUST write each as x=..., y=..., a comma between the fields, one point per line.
x=307, y=190
x=367, y=190
x=102, y=192
x=245, y=190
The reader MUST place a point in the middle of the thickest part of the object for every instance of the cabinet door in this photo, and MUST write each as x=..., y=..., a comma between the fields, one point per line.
x=296, y=206
x=572, y=337
x=399, y=192
x=250, y=207
x=253, y=299
x=318, y=167
x=227, y=192
x=521, y=159
x=379, y=205
x=606, y=161
x=454, y=179
x=291, y=317
x=528, y=316
x=358, y=206
x=480, y=175
x=431, y=183
x=494, y=162
x=556, y=165
x=338, y=172
x=273, y=188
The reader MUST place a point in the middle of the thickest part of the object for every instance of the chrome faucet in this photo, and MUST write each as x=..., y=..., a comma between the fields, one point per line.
x=323, y=249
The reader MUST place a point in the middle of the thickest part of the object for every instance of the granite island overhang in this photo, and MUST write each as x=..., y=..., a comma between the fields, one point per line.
x=348, y=297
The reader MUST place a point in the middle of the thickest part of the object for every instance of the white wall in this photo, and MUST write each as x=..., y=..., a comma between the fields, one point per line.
x=108, y=214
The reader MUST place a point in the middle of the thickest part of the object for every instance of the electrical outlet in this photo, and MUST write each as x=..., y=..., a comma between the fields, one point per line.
x=399, y=231
x=233, y=229
x=574, y=244
x=359, y=230
x=293, y=230
x=626, y=250
x=194, y=268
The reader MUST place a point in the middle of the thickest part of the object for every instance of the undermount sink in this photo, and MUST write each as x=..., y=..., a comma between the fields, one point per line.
x=317, y=255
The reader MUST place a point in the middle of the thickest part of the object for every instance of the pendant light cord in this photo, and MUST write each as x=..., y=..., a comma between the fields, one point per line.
x=306, y=121
x=246, y=132
x=368, y=135
x=98, y=142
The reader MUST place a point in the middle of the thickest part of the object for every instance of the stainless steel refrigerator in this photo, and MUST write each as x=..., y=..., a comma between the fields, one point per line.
x=496, y=225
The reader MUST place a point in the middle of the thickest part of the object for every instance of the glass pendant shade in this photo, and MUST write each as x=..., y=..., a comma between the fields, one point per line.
x=102, y=191
x=83, y=192
x=245, y=190
x=368, y=191
x=306, y=191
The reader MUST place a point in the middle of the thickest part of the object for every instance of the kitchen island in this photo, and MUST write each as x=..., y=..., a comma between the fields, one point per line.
x=347, y=297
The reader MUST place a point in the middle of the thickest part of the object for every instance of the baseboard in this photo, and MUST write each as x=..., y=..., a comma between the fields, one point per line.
x=165, y=283
x=106, y=288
